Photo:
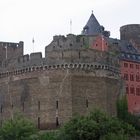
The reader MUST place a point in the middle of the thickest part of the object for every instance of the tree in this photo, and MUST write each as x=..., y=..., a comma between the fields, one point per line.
x=97, y=125
x=122, y=108
x=18, y=128
x=124, y=115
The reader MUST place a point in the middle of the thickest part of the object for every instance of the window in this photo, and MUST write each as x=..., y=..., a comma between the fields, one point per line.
x=87, y=103
x=137, y=66
x=127, y=90
x=131, y=65
x=57, y=104
x=138, y=91
x=79, y=55
x=1, y=108
x=38, y=105
x=132, y=90
x=38, y=122
x=128, y=55
x=131, y=77
x=57, y=122
x=126, y=65
x=0, y=123
x=125, y=76
x=138, y=77
x=23, y=106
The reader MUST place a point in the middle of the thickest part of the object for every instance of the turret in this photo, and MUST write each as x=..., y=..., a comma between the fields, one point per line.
x=94, y=28
x=131, y=33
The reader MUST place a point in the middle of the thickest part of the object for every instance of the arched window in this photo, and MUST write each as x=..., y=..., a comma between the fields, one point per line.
x=138, y=90
x=138, y=77
x=127, y=89
x=132, y=90
x=125, y=76
x=131, y=77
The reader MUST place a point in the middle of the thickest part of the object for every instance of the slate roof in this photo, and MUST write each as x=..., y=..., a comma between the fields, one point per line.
x=128, y=51
x=92, y=27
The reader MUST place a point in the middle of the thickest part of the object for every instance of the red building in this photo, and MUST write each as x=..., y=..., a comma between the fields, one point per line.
x=130, y=66
x=130, y=72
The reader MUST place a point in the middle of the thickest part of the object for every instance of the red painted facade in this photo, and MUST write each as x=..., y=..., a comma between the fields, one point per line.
x=100, y=44
x=130, y=72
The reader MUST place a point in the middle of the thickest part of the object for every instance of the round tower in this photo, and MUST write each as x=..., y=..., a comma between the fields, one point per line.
x=131, y=33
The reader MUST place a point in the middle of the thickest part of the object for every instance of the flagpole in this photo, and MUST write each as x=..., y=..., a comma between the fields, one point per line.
x=70, y=26
x=6, y=52
x=33, y=41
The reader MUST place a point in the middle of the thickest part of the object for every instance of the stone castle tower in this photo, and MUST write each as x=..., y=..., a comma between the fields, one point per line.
x=79, y=73
x=131, y=33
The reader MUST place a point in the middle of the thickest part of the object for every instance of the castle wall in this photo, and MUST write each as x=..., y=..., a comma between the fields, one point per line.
x=88, y=95
x=66, y=82
x=35, y=95
x=51, y=95
x=79, y=49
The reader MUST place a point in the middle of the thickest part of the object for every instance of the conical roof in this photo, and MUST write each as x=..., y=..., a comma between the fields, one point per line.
x=92, y=27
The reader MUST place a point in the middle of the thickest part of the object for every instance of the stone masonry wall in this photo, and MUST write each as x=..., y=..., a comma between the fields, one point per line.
x=50, y=97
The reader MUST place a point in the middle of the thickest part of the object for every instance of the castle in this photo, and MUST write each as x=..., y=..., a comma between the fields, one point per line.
x=77, y=74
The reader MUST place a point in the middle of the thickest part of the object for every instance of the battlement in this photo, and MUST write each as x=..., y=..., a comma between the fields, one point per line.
x=80, y=49
x=110, y=71
x=11, y=44
x=9, y=50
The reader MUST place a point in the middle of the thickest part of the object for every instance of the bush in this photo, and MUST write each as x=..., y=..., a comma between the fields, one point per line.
x=113, y=136
x=96, y=125
x=48, y=136
x=18, y=128
x=124, y=115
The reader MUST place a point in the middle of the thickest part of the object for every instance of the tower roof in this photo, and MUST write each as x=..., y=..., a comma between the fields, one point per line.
x=92, y=27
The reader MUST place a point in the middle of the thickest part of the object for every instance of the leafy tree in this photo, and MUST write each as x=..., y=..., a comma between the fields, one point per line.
x=18, y=128
x=122, y=108
x=124, y=115
x=96, y=125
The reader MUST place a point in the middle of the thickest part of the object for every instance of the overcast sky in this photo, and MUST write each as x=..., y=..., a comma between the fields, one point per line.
x=21, y=20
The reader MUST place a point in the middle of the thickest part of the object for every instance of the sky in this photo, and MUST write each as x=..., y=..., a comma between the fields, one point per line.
x=23, y=20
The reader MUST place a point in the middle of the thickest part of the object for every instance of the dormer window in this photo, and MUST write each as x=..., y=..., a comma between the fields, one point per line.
x=86, y=29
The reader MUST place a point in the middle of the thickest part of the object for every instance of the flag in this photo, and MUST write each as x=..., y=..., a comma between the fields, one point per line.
x=70, y=26
x=33, y=41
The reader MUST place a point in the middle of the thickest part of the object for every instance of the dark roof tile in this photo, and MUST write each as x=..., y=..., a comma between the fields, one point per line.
x=92, y=27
